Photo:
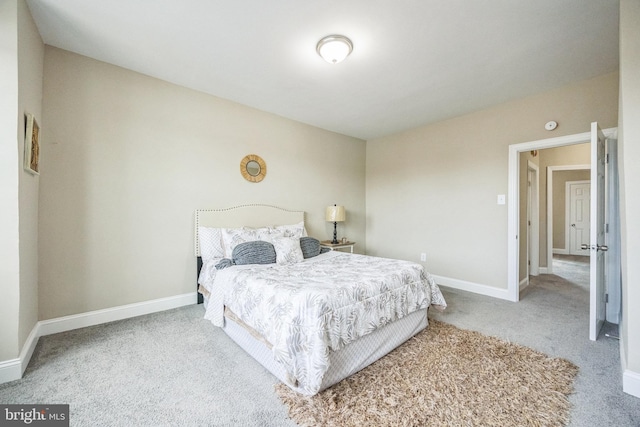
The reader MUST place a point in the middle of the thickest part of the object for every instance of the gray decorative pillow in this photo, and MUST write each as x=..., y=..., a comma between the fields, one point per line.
x=256, y=252
x=310, y=247
x=224, y=263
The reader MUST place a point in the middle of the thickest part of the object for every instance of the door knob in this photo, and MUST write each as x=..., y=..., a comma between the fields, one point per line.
x=603, y=248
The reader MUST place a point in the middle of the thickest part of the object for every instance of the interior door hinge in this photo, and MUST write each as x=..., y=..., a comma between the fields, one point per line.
x=606, y=158
x=606, y=228
x=606, y=297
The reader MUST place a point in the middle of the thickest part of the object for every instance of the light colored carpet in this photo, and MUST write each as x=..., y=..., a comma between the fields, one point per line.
x=172, y=368
x=573, y=269
x=445, y=376
x=175, y=369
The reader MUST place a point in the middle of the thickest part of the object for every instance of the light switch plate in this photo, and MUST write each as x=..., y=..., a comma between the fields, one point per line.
x=502, y=199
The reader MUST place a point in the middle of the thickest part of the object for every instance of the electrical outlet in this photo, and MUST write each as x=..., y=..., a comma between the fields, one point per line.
x=423, y=257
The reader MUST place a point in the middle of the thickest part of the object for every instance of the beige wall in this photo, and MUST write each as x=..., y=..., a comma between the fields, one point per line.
x=128, y=160
x=30, y=65
x=9, y=193
x=629, y=153
x=433, y=189
x=21, y=65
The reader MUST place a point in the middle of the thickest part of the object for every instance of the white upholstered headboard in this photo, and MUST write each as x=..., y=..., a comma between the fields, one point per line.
x=244, y=216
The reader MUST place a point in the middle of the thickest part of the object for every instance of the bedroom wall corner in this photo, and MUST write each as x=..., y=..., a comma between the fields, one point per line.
x=21, y=72
x=30, y=79
x=129, y=160
x=9, y=184
x=628, y=153
x=433, y=189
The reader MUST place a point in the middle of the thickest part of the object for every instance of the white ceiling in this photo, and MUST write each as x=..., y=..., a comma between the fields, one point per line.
x=413, y=62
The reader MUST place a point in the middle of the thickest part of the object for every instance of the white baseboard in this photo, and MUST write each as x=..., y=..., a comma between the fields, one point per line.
x=97, y=317
x=524, y=283
x=472, y=287
x=543, y=270
x=561, y=251
x=631, y=383
x=10, y=370
x=13, y=369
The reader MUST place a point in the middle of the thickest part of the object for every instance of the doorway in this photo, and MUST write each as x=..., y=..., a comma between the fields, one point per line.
x=597, y=138
x=557, y=176
x=513, y=217
x=532, y=221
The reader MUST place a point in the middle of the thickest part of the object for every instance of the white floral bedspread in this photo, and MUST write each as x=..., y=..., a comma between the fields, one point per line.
x=306, y=309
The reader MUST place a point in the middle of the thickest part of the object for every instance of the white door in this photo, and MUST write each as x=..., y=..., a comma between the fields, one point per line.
x=579, y=205
x=596, y=245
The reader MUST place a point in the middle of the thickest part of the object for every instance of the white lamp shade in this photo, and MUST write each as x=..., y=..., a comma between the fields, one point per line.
x=335, y=214
x=334, y=49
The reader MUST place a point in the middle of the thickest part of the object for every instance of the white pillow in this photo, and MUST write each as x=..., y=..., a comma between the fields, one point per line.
x=232, y=237
x=210, y=243
x=292, y=230
x=287, y=250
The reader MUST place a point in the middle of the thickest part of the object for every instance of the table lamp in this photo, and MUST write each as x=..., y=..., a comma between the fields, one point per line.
x=335, y=214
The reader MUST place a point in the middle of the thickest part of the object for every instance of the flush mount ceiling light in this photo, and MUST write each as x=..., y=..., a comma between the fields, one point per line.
x=334, y=48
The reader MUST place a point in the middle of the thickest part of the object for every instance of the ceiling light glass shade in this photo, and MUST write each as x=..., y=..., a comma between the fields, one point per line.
x=334, y=49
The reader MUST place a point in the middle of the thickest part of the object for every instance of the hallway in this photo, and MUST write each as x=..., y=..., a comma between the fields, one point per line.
x=573, y=268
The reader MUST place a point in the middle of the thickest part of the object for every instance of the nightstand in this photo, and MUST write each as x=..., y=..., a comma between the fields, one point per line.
x=333, y=247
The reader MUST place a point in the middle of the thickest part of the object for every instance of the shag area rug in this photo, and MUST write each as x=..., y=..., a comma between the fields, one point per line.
x=445, y=376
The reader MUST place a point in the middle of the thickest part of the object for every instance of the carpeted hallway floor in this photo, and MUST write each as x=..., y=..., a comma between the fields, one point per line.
x=573, y=268
x=175, y=369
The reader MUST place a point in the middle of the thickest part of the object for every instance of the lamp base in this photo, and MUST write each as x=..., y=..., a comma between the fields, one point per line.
x=335, y=234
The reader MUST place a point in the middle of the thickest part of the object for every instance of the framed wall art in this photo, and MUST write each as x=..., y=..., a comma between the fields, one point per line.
x=32, y=145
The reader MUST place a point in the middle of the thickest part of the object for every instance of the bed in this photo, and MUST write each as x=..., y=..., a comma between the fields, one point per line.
x=310, y=321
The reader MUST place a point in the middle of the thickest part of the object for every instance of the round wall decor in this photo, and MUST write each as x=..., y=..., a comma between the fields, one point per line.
x=253, y=168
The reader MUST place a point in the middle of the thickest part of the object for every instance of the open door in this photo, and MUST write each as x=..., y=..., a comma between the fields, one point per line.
x=597, y=248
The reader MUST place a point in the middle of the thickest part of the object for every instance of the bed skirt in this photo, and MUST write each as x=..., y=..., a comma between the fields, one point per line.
x=344, y=362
